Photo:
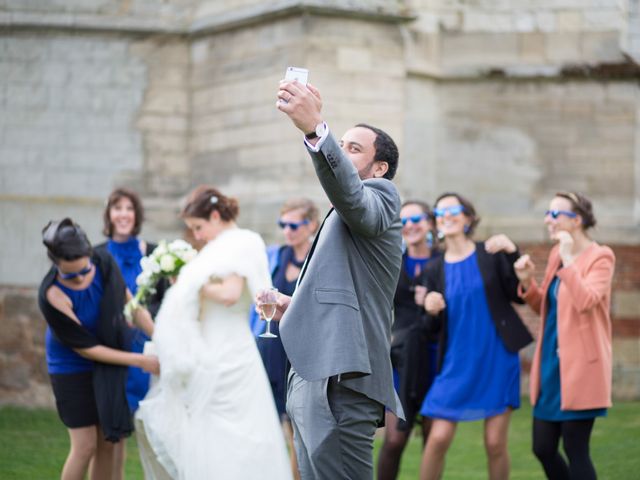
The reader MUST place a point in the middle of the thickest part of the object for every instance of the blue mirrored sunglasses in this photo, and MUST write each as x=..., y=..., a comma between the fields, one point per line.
x=556, y=213
x=414, y=218
x=79, y=273
x=453, y=210
x=292, y=225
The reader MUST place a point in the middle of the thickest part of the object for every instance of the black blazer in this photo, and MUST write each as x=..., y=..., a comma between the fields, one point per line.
x=501, y=288
x=108, y=380
x=409, y=354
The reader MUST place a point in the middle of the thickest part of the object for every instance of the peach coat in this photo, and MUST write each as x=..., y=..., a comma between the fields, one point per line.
x=584, y=327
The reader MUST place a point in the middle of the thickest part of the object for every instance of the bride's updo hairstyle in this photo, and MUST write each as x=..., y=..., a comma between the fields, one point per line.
x=204, y=199
x=65, y=240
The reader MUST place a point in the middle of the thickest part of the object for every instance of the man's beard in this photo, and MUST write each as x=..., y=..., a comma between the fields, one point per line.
x=366, y=172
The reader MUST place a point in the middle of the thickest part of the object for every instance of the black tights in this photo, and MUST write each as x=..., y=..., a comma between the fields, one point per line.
x=575, y=440
x=394, y=443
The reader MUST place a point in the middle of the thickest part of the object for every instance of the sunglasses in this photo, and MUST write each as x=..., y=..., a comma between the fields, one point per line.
x=292, y=225
x=556, y=213
x=453, y=210
x=414, y=218
x=80, y=273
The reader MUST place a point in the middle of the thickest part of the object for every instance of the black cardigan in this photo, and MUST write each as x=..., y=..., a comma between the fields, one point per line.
x=501, y=288
x=409, y=353
x=153, y=302
x=109, y=381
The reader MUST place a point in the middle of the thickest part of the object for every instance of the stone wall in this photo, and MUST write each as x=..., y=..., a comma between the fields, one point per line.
x=511, y=144
x=506, y=102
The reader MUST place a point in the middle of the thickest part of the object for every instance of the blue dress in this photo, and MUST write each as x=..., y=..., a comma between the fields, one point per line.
x=86, y=305
x=479, y=378
x=548, y=403
x=271, y=349
x=128, y=255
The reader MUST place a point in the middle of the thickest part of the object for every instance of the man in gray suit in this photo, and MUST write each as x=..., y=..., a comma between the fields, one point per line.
x=336, y=329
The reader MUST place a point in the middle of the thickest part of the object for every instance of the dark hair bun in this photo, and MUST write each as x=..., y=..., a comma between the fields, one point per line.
x=65, y=240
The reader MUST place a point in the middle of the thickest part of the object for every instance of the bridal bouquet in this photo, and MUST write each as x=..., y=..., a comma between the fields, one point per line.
x=164, y=262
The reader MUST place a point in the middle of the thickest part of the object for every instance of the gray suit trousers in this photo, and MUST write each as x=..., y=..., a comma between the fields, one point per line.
x=333, y=428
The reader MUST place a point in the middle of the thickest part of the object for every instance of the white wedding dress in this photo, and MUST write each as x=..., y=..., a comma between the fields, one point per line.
x=211, y=414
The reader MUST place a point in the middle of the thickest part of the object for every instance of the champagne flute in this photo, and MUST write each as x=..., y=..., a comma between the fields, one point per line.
x=268, y=307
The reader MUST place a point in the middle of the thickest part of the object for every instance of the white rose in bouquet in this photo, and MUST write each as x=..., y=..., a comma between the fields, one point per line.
x=165, y=261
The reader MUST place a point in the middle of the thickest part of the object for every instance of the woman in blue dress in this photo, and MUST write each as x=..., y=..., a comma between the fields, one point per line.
x=123, y=217
x=299, y=222
x=469, y=304
x=82, y=299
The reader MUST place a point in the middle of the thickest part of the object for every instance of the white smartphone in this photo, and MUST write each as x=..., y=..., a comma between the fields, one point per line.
x=297, y=73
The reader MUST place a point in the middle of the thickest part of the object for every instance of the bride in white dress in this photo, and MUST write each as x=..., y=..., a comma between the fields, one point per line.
x=211, y=414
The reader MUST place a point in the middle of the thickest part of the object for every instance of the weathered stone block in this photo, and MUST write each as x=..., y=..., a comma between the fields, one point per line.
x=166, y=100
x=601, y=47
x=626, y=304
x=569, y=20
x=563, y=47
x=14, y=373
x=473, y=50
x=610, y=19
x=532, y=47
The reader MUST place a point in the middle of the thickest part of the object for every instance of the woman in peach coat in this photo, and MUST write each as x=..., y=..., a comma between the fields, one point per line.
x=570, y=382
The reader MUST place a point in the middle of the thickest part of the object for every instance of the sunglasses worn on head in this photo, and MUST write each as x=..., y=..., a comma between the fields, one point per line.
x=292, y=225
x=556, y=213
x=80, y=273
x=453, y=210
x=413, y=218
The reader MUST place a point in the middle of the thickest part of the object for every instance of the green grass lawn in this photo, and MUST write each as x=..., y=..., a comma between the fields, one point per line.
x=34, y=444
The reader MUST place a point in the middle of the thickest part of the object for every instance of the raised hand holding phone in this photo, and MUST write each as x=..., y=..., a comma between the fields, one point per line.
x=300, y=100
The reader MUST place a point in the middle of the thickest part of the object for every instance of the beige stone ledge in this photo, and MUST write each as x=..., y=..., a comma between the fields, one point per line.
x=238, y=18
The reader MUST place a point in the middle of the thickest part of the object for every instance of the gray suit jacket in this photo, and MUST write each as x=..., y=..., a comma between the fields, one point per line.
x=339, y=319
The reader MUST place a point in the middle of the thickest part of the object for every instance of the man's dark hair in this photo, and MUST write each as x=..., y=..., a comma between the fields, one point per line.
x=386, y=150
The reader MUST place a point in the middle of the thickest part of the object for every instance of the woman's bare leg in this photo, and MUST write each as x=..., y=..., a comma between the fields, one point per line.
x=496, y=430
x=102, y=465
x=83, y=447
x=440, y=438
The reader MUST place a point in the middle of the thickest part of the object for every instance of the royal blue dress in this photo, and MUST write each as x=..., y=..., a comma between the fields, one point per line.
x=86, y=305
x=479, y=378
x=128, y=255
x=548, y=403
